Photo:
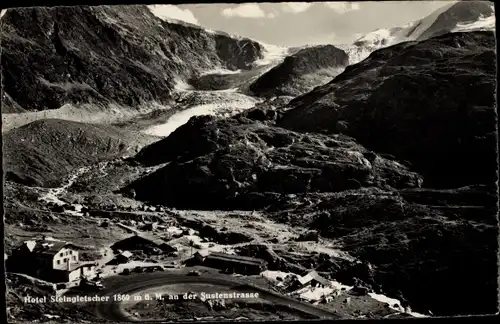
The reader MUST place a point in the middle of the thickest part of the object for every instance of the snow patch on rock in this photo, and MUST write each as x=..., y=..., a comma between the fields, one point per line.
x=484, y=23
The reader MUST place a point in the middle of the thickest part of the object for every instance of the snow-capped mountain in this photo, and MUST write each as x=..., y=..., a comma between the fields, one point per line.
x=455, y=17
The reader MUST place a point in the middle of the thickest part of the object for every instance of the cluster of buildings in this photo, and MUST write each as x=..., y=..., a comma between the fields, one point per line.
x=139, y=242
x=312, y=279
x=50, y=260
x=230, y=263
x=59, y=261
x=144, y=243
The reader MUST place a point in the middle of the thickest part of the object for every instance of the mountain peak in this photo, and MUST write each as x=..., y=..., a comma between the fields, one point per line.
x=463, y=16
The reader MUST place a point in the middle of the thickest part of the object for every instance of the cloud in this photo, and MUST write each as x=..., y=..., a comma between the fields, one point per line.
x=173, y=12
x=296, y=7
x=246, y=10
x=343, y=7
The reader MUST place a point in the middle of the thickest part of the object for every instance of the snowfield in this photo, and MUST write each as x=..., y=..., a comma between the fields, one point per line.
x=394, y=304
x=356, y=53
x=220, y=71
x=384, y=37
x=273, y=54
x=182, y=86
x=223, y=103
x=379, y=36
x=214, y=109
x=485, y=23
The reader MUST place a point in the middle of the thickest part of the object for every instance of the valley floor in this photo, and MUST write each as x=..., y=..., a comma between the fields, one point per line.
x=72, y=215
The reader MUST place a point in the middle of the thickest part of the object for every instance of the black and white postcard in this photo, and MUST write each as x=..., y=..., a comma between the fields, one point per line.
x=250, y=161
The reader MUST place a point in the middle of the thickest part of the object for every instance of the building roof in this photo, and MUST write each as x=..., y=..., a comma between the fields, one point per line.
x=203, y=253
x=30, y=245
x=49, y=247
x=126, y=254
x=236, y=257
x=76, y=265
x=235, y=261
x=150, y=238
x=145, y=237
x=307, y=278
x=313, y=275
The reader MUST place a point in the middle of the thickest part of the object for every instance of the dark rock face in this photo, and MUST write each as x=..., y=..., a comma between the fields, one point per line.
x=199, y=132
x=223, y=237
x=294, y=75
x=121, y=54
x=268, y=111
x=430, y=104
x=309, y=236
x=238, y=54
x=9, y=105
x=217, y=81
x=228, y=163
x=454, y=128
x=426, y=256
x=463, y=11
x=419, y=242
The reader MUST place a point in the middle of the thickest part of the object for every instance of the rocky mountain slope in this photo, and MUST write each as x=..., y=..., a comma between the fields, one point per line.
x=361, y=165
x=459, y=13
x=308, y=67
x=393, y=160
x=387, y=95
x=237, y=163
x=106, y=54
x=301, y=72
x=44, y=152
x=458, y=16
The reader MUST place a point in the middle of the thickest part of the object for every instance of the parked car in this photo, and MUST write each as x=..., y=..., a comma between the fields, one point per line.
x=153, y=269
x=360, y=291
x=194, y=273
x=91, y=285
x=61, y=286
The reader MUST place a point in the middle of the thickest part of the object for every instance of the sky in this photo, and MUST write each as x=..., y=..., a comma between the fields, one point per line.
x=301, y=23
